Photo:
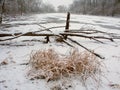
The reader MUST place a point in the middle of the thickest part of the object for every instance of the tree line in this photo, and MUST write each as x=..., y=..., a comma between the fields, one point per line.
x=96, y=7
x=25, y=6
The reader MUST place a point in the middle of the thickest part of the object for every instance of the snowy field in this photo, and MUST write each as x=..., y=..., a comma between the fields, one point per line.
x=13, y=76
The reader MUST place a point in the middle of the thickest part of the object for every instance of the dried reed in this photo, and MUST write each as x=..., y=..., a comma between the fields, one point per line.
x=49, y=65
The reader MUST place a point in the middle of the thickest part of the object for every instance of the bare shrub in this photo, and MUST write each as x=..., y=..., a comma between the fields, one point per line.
x=49, y=65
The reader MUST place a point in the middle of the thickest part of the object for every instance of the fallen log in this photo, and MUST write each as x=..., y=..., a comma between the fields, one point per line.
x=67, y=43
x=27, y=34
x=86, y=48
x=17, y=35
x=85, y=36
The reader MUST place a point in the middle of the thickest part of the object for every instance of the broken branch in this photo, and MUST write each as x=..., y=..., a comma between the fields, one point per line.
x=86, y=48
x=84, y=36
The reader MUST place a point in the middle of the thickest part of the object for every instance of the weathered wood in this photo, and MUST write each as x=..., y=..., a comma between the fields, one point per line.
x=85, y=36
x=90, y=31
x=5, y=35
x=27, y=34
x=67, y=22
x=17, y=35
x=2, y=11
x=48, y=29
x=86, y=48
x=67, y=43
x=47, y=39
x=67, y=25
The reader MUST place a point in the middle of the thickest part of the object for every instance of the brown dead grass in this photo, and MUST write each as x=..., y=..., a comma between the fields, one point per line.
x=49, y=65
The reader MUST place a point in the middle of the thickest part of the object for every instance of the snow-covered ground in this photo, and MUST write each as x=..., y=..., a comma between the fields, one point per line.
x=13, y=76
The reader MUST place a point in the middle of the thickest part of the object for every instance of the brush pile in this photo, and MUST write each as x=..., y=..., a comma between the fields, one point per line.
x=49, y=65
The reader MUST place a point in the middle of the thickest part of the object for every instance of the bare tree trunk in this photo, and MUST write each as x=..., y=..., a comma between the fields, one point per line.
x=114, y=7
x=2, y=11
x=103, y=7
x=84, y=7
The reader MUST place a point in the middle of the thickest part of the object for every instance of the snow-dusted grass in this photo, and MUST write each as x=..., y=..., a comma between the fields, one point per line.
x=49, y=65
x=13, y=76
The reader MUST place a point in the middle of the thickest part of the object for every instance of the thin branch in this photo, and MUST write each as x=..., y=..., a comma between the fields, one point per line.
x=48, y=29
x=90, y=37
x=30, y=34
x=4, y=34
x=86, y=48
x=44, y=28
x=68, y=43
x=97, y=40
x=27, y=34
x=90, y=31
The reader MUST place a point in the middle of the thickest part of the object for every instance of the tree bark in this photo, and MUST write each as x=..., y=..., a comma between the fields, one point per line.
x=67, y=25
x=90, y=37
x=2, y=11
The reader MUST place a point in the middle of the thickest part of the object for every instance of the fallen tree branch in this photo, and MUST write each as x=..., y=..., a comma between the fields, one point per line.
x=90, y=31
x=84, y=32
x=71, y=34
x=102, y=37
x=5, y=35
x=17, y=35
x=44, y=28
x=86, y=48
x=48, y=29
x=68, y=43
x=90, y=37
x=15, y=45
x=27, y=34
x=97, y=40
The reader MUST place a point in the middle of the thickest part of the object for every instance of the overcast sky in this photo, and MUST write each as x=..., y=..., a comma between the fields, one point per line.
x=56, y=3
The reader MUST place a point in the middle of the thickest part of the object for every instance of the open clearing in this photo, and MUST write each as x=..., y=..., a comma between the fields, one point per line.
x=13, y=76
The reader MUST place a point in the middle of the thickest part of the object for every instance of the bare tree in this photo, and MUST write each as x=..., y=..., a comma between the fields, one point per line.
x=24, y=6
x=2, y=9
x=47, y=8
x=97, y=7
x=62, y=8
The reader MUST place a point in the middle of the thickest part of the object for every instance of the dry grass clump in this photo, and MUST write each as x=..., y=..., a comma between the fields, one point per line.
x=49, y=65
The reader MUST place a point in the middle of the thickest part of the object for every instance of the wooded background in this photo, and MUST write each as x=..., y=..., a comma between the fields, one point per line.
x=95, y=7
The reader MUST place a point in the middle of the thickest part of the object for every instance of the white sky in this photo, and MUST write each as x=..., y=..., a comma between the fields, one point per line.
x=56, y=3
